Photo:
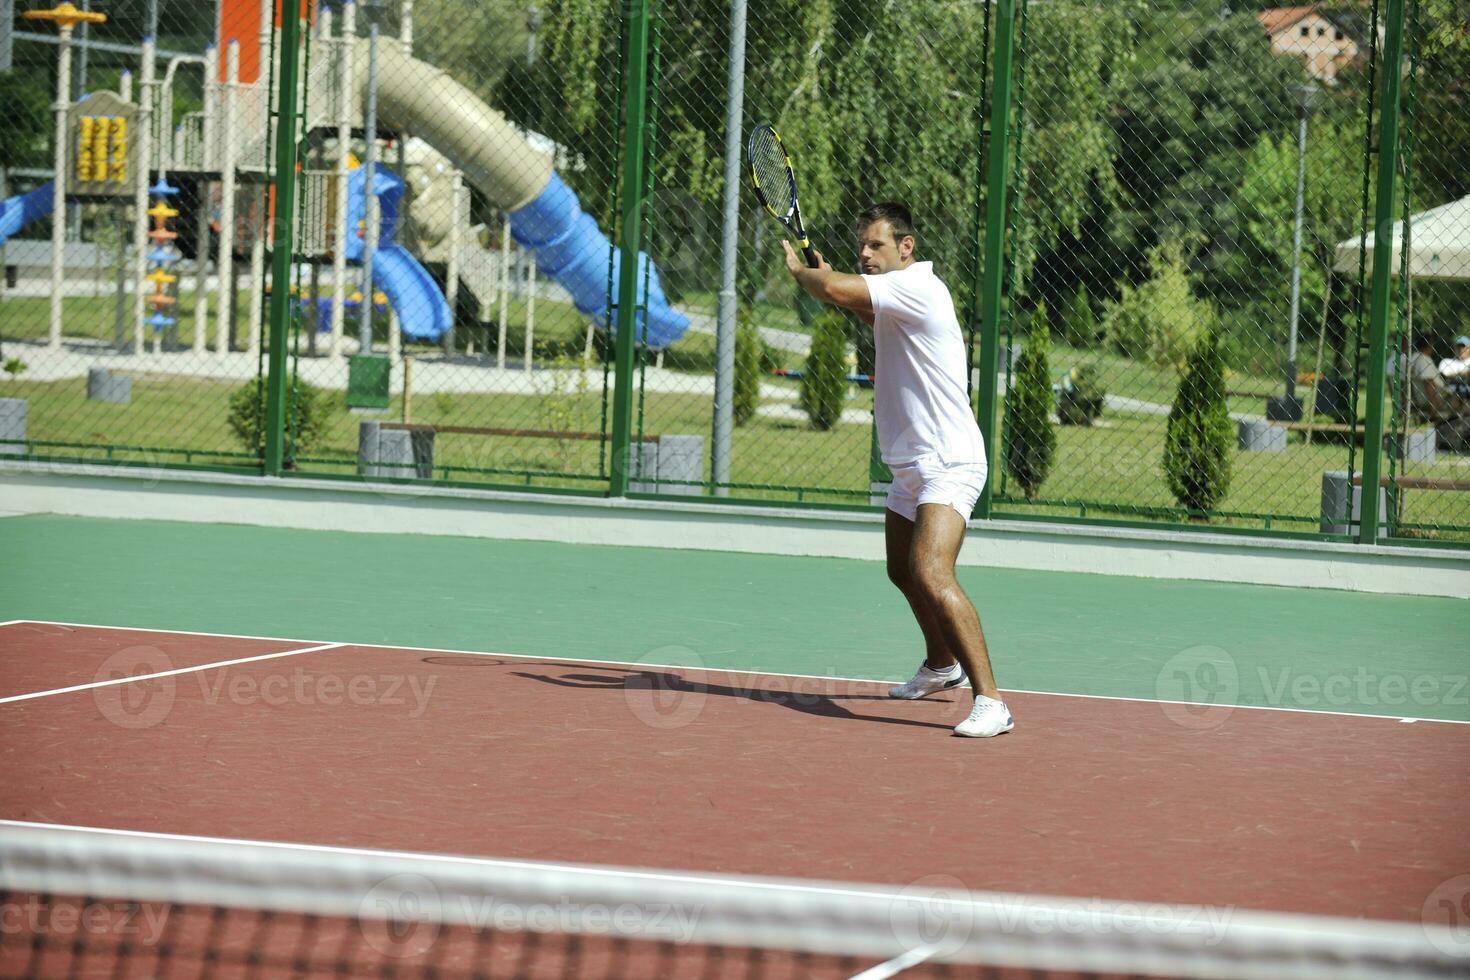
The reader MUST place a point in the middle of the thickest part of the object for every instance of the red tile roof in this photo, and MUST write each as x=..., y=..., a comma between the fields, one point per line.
x=1278, y=19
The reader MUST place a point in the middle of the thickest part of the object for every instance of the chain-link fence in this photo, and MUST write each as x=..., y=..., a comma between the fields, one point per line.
x=874, y=102
x=1169, y=204
x=1426, y=479
x=126, y=314
x=435, y=164
x=1203, y=284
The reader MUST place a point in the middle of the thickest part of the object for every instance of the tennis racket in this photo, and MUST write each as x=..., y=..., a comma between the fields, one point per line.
x=775, y=183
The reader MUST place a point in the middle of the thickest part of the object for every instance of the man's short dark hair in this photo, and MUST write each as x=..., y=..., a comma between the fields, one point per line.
x=895, y=213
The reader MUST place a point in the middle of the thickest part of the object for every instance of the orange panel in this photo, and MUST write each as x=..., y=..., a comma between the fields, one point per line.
x=240, y=21
x=307, y=9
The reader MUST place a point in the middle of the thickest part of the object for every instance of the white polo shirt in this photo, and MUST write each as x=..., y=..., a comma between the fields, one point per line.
x=919, y=395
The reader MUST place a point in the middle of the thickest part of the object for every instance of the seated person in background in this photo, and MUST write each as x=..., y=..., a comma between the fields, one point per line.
x=1431, y=400
x=1456, y=370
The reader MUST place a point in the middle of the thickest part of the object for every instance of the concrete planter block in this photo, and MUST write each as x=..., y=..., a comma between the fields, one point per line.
x=396, y=454
x=669, y=458
x=12, y=426
x=1260, y=436
x=104, y=386
x=1419, y=446
x=642, y=462
x=1338, y=494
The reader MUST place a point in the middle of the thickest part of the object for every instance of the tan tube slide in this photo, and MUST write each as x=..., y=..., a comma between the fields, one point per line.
x=427, y=102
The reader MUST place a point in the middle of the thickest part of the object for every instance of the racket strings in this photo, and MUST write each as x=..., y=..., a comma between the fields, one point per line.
x=772, y=176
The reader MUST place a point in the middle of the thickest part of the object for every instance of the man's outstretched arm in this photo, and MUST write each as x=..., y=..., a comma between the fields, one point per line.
x=826, y=284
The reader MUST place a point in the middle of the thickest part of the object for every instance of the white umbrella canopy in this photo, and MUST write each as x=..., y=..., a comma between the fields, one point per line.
x=1439, y=245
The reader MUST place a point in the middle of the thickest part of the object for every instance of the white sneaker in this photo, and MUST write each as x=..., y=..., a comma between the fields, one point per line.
x=988, y=717
x=928, y=681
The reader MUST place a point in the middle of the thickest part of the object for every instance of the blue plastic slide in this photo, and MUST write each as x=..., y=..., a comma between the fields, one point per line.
x=423, y=313
x=512, y=174
x=19, y=211
x=571, y=249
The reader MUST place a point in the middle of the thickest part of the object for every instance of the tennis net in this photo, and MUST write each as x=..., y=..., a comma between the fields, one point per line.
x=82, y=902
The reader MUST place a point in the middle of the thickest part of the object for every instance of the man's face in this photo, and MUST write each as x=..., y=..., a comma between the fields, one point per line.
x=878, y=252
x=1463, y=352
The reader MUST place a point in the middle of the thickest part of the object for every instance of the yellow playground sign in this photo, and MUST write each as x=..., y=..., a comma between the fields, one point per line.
x=103, y=151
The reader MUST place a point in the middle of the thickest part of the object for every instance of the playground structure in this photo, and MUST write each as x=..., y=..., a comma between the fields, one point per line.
x=211, y=173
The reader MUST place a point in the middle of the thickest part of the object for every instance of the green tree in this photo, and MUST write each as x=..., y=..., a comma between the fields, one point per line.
x=846, y=122
x=1076, y=65
x=473, y=41
x=1030, y=438
x=1442, y=141
x=1256, y=275
x=1189, y=110
x=25, y=119
x=1199, y=437
x=1159, y=320
x=747, y=372
x=1079, y=326
x=824, y=379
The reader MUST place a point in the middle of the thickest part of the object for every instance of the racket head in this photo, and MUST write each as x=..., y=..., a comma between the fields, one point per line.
x=770, y=172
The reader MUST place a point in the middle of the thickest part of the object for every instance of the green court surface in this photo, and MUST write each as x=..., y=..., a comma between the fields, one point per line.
x=1057, y=632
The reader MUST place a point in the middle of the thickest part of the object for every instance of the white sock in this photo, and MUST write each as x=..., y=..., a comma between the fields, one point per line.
x=949, y=671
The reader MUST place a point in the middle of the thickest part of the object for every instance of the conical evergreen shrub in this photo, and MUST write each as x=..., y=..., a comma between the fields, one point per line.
x=1030, y=439
x=1199, y=440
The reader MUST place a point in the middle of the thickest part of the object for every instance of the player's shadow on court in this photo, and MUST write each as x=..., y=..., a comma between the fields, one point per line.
x=666, y=683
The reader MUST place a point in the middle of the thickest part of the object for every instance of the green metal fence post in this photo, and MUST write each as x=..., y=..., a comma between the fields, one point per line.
x=1383, y=255
x=993, y=274
x=635, y=72
x=281, y=245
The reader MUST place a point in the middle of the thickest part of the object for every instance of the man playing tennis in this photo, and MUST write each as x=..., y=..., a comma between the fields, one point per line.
x=929, y=438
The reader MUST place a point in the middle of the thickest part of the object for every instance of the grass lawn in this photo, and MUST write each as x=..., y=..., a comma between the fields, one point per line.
x=1140, y=380
x=558, y=328
x=94, y=317
x=1122, y=465
x=1116, y=463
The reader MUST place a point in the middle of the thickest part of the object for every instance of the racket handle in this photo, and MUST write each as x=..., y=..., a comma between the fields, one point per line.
x=810, y=254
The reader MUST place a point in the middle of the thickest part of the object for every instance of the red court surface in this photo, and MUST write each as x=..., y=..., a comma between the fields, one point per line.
x=723, y=772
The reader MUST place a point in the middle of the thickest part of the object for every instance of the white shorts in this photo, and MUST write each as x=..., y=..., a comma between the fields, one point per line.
x=929, y=480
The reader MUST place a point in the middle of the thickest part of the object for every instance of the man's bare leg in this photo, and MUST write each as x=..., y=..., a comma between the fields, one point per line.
x=899, y=536
x=937, y=535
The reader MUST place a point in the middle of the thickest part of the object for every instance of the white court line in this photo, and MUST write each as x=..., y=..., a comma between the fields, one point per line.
x=166, y=673
x=763, y=673
x=897, y=965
